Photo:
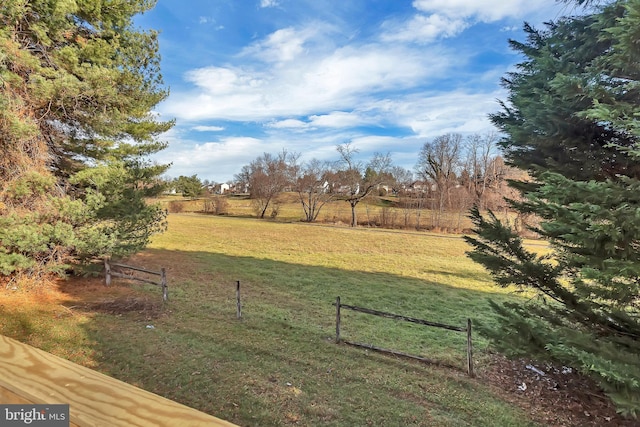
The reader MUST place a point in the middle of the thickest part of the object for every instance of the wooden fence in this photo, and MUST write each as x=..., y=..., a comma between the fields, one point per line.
x=108, y=273
x=467, y=330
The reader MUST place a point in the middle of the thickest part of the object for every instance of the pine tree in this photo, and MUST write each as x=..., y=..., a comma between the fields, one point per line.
x=570, y=75
x=572, y=122
x=189, y=186
x=77, y=85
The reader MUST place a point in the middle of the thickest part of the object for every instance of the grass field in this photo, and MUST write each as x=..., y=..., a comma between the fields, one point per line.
x=279, y=364
x=381, y=212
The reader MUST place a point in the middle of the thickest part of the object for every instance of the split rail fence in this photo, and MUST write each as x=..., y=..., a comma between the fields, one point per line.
x=109, y=273
x=467, y=330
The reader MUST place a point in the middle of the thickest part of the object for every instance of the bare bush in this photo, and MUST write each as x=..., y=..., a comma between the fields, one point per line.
x=275, y=210
x=216, y=205
x=175, y=206
x=388, y=217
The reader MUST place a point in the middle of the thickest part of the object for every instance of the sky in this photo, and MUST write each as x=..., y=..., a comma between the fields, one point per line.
x=248, y=77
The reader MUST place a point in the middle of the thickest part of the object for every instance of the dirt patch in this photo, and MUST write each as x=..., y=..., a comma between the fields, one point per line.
x=128, y=304
x=91, y=295
x=552, y=395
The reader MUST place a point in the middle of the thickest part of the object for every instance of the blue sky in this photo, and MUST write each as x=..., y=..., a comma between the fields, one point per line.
x=254, y=76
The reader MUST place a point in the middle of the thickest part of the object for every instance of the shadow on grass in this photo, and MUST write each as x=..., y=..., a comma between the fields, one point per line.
x=278, y=365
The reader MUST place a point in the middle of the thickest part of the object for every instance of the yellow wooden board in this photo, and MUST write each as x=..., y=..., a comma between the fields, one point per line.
x=28, y=374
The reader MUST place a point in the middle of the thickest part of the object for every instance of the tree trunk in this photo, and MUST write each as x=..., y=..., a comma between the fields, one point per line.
x=353, y=204
x=266, y=205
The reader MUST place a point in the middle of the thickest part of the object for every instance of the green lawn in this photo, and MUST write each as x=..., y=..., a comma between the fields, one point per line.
x=279, y=365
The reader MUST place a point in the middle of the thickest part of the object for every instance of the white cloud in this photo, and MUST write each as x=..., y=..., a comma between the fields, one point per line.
x=438, y=19
x=219, y=160
x=208, y=128
x=337, y=119
x=484, y=10
x=221, y=81
x=325, y=80
x=436, y=114
x=333, y=120
x=288, y=124
x=376, y=143
x=269, y=3
x=509, y=29
x=203, y=20
x=368, y=69
x=283, y=45
x=287, y=44
x=423, y=29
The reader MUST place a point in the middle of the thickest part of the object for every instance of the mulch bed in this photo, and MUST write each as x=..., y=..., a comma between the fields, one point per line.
x=553, y=396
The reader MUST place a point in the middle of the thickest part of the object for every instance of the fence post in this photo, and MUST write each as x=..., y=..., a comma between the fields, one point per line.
x=469, y=350
x=107, y=272
x=337, y=320
x=238, y=304
x=163, y=282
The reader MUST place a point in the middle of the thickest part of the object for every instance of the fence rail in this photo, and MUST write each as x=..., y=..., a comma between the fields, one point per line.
x=405, y=319
x=109, y=273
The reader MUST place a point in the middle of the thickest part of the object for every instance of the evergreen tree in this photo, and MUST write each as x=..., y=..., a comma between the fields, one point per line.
x=572, y=74
x=77, y=85
x=189, y=186
x=572, y=121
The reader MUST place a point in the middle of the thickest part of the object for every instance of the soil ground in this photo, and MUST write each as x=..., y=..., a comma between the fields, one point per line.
x=553, y=396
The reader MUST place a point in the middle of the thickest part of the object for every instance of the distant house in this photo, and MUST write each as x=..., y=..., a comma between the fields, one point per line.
x=418, y=187
x=218, y=188
x=386, y=188
x=349, y=190
x=239, y=188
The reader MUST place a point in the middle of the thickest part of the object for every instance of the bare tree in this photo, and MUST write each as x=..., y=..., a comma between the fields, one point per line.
x=480, y=159
x=498, y=175
x=402, y=181
x=312, y=186
x=438, y=162
x=419, y=202
x=267, y=176
x=357, y=179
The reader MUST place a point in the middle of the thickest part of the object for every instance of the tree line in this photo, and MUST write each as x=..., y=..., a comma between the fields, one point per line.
x=452, y=173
